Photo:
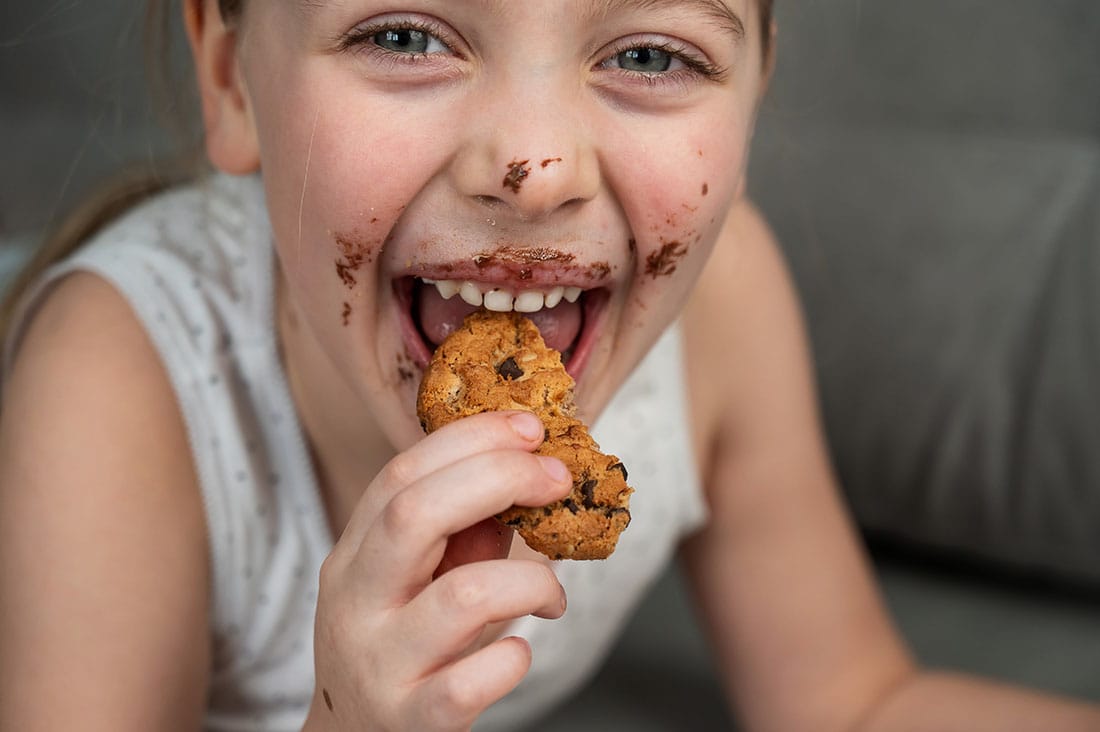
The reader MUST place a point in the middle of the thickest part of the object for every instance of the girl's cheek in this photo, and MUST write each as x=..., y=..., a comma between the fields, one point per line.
x=682, y=229
x=354, y=253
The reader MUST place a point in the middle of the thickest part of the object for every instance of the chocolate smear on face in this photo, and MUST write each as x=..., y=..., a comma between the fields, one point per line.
x=355, y=255
x=549, y=161
x=517, y=172
x=406, y=368
x=522, y=255
x=663, y=261
x=599, y=270
x=346, y=314
x=706, y=189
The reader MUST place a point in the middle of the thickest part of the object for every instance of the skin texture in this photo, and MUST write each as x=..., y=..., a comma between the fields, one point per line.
x=377, y=168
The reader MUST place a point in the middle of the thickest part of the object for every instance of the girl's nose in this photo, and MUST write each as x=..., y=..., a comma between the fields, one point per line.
x=528, y=160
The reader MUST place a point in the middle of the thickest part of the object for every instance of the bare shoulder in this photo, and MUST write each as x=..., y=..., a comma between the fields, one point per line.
x=743, y=327
x=103, y=560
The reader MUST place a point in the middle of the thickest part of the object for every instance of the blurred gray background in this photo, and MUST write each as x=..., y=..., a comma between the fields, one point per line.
x=933, y=172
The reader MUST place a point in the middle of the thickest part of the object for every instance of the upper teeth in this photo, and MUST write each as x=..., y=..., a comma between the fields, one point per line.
x=503, y=300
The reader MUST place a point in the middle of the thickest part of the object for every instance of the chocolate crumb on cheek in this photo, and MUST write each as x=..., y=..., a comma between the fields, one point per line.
x=355, y=255
x=549, y=161
x=663, y=261
x=328, y=700
x=406, y=368
x=517, y=172
x=345, y=316
x=706, y=189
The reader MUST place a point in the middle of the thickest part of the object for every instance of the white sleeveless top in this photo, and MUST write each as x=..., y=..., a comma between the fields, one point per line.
x=197, y=267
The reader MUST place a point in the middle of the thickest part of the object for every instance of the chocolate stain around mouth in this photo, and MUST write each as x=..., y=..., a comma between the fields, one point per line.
x=522, y=255
x=521, y=262
x=354, y=254
x=406, y=368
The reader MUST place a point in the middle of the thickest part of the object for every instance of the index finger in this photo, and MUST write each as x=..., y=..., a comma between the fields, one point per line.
x=463, y=438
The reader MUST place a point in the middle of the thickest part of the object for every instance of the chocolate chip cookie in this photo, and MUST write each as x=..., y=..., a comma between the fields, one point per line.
x=498, y=361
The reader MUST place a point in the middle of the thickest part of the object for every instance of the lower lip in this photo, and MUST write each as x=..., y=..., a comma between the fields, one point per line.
x=595, y=306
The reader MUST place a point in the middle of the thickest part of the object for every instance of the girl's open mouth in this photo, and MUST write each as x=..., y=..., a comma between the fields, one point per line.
x=567, y=316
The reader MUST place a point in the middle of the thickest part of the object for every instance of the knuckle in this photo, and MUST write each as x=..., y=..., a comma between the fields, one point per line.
x=400, y=470
x=459, y=697
x=464, y=591
x=402, y=513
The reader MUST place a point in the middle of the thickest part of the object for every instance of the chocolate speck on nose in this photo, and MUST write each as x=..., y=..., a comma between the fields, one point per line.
x=517, y=172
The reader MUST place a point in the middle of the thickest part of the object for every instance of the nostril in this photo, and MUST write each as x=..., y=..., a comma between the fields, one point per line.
x=492, y=202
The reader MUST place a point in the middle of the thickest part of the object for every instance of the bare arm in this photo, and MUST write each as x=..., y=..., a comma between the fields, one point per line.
x=781, y=579
x=103, y=562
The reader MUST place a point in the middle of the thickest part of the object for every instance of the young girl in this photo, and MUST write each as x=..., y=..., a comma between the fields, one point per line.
x=217, y=508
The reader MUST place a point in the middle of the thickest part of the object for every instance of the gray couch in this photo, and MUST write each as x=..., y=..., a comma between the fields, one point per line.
x=933, y=172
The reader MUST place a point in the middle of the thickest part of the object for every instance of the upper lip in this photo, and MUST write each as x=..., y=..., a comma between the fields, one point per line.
x=587, y=276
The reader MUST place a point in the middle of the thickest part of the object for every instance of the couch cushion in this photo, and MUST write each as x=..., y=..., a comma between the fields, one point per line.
x=933, y=172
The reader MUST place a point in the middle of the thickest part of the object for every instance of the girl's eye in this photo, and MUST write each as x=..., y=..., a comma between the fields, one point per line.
x=645, y=60
x=407, y=40
x=660, y=61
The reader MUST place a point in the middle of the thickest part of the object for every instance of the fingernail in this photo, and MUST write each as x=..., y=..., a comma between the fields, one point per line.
x=556, y=469
x=526, y=425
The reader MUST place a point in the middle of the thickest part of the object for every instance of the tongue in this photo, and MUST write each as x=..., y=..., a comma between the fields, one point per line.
x=439, y=318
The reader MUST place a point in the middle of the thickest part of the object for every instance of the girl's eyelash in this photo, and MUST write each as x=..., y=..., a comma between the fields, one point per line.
x=707, y=69
x=363, y=36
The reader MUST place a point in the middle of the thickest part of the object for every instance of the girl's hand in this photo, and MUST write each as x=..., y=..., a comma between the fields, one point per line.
x=396, y=631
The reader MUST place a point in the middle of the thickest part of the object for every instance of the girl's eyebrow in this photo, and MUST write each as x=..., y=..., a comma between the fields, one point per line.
x=716, y=10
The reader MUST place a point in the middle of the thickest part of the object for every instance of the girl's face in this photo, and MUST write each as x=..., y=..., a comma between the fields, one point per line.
x=423, y=157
